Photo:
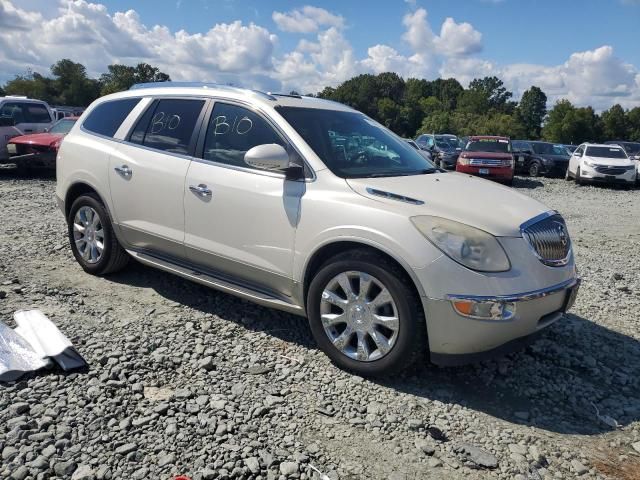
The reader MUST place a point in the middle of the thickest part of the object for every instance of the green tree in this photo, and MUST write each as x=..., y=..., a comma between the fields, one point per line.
x=32, y=85
x=614, y=123
x=388, y=114
x=532, y=110
x=494, y=91
x=447, y=91
x=633, y=124
x=438, y=122
x=122, y=77
x=568, y=124
x=72, y=85
x=473, y=101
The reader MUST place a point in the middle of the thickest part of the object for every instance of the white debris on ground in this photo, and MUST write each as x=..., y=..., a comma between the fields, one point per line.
x=186, y=380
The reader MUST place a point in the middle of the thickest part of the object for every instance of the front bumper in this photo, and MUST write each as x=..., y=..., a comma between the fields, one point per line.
x=589, y=174
x=455, y=339
x=493, y=173
x=555, y=169
x=39, y=159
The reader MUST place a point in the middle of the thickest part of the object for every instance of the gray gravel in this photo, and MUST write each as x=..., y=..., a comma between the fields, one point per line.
x=186, y=380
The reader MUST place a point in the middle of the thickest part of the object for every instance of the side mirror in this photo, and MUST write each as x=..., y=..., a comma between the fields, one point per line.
x=270, y=156
x=577, y=154
x=7, y=122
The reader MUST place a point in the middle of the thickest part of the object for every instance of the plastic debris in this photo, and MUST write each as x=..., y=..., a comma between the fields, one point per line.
x=16, y=355
x=32, y=345
x=46, y=340
x=320, y=474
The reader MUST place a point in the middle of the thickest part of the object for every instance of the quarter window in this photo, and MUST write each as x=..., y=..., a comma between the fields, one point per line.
x=107, y=117
x=168, y=125
x=234, y=130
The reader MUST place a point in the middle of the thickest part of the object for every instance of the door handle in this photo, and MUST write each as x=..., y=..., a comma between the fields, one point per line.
x=124, y=170
x=201, y=190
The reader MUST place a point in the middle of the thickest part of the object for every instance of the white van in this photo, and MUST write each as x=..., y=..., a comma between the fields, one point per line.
x=21, y=116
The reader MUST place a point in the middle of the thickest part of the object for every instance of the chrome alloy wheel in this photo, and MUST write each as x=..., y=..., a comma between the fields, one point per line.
x=359, y=316
x=88, y=234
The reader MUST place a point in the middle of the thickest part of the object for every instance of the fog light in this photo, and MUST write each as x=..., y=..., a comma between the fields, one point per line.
x=485, y=310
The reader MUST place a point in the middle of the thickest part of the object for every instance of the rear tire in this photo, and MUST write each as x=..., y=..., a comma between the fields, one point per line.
x=93, y=241
x=357, y=351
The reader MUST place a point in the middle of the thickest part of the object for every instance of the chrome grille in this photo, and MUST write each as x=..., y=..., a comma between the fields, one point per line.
x=549, y=240
x=487, y=162
x=609, y=170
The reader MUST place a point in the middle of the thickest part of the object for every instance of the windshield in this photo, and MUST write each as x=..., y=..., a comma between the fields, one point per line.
x=500, y=145
x=447, y=143
x=62, y=126
x=549, y=149
x=352, y=145
x=606, y=152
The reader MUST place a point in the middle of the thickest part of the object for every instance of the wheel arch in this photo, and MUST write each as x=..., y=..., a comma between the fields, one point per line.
x=76, y=190
x=330, y=249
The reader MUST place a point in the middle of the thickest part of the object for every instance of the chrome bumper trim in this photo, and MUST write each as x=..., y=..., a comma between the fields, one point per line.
x=519, y=297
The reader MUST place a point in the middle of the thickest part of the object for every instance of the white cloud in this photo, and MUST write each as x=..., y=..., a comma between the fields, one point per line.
x=458, y=39
x=307, y=19
x=248, y=54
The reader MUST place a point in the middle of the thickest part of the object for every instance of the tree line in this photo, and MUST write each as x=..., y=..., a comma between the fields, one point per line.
x=408, y=107
x=70, y=85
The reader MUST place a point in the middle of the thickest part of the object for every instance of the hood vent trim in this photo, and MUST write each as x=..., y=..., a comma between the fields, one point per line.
x=394, y=196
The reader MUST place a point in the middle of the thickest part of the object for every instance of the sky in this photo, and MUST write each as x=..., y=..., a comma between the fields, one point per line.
x=583, y=50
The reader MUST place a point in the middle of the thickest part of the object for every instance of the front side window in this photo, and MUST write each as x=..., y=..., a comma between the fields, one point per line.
x=606, y=152
x=352, y=145
x=234, y=130
x=107, y=117
x=498, y=145
x=13, y=110
x=168, y=125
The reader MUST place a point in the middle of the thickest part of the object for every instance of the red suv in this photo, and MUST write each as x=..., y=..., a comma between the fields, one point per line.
x=489, y=157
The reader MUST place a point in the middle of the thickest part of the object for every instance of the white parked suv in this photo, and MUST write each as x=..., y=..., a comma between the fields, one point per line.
x=593, y=162
x=21, y=116
x=311, y=207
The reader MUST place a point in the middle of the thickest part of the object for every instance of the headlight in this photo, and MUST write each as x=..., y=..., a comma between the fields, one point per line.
x=469, y=246
x=589, y=164
x=11, y=148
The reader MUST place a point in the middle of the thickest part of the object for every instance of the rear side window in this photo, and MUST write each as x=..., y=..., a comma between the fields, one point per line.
x=168, y=125
x=36, y=113
x=107, y=117
x=233, y=131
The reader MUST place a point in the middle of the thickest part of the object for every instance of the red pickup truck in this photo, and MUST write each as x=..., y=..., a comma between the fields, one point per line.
x=489, y=157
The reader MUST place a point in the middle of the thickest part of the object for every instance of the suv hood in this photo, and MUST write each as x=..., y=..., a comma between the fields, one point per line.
x=492, y=155
x=555, y=158
x=474, y=201
x=613, y=162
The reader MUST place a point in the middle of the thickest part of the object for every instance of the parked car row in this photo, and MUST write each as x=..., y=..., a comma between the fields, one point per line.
x=499, y=158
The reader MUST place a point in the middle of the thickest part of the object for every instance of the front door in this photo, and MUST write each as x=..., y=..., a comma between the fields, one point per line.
x=241, y=221
x=147, y=175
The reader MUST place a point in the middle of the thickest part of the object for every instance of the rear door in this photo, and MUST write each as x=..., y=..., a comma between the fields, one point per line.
x=147, y=175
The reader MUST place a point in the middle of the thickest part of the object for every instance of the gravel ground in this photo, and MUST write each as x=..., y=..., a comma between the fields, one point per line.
x=186, y=380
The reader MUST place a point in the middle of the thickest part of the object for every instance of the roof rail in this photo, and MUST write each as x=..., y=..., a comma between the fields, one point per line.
x=218, y=86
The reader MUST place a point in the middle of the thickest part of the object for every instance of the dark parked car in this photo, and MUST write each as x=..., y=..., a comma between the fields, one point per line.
x=632, y=148
x=445, y=148
x=540, y=158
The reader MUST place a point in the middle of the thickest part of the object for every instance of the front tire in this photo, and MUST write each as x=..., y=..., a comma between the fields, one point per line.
x=534, y=169
x=93, y=241
x=577, y=177
x=567, y=175
x=365, y=315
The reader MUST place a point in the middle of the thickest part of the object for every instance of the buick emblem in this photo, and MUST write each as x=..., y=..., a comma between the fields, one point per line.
x=562, y=233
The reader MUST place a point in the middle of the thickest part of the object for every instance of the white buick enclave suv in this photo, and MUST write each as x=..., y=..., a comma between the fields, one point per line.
x=311, y=207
